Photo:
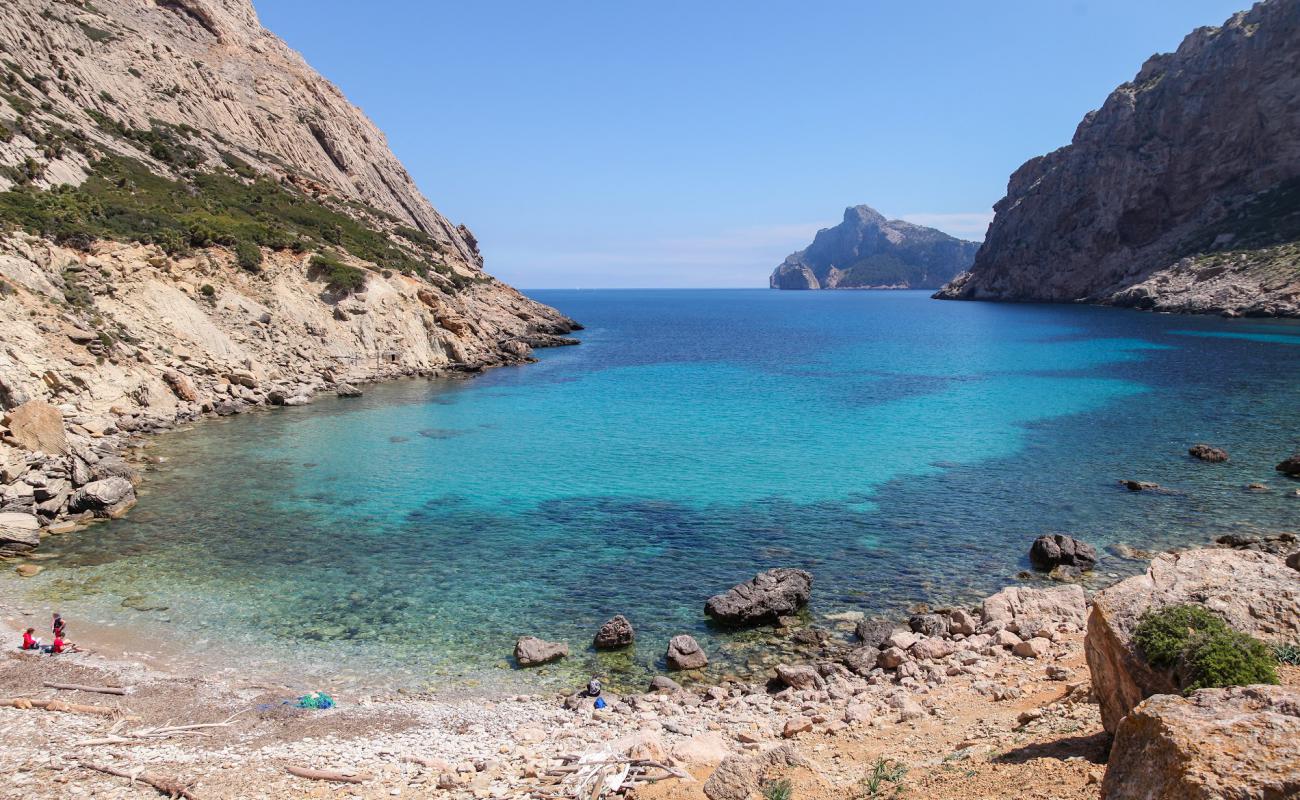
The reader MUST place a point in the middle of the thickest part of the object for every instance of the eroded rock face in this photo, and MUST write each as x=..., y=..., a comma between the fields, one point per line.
x=531, y=651
x=1254, y=592
x=868, y=251
x=19, y=532
x=1178, y=194
x=775, y=593
x=1241, y=742
x=741, y=777
x=617, y=632
x=37, y=425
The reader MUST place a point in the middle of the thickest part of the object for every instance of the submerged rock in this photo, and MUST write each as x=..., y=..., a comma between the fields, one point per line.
x=1205, y=452
x=1049, y=552
x=766, y=597
x=347, y=390
x=1140, y=486
x=1253, y=592
x=685, y=653
x=614, y=634
x=1242, y=742
x=1290, y=467
x=531, y=651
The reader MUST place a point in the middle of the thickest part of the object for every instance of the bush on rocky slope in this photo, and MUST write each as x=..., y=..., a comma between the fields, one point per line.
x=1202, y=649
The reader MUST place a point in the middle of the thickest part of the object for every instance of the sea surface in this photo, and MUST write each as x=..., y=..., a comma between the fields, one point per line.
x=904, y=450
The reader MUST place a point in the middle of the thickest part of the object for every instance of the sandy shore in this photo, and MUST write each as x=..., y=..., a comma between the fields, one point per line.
x=956, y=739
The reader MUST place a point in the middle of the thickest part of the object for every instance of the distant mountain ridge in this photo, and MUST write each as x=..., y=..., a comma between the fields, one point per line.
x=867, y=251
x=1181, y=193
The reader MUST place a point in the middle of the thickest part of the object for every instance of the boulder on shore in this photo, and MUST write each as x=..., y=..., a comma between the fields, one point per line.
x=19, y=532
x=1208, y=453
x=37, y=425
x=347, y=390
x=1254, y=592
x=110, y=497
x=616, y=633
x=1058, y=550
x=685, y=653
x=768, y=595
x=531, y=651
x=873, y=633
x=1020, y=608
x=1241, y=742
x=741, y=777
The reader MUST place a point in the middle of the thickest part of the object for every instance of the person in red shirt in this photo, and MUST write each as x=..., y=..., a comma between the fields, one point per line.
x=57, y=647
x=29, y=640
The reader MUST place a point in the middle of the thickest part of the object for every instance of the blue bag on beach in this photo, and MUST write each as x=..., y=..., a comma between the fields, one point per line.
x=317, y=700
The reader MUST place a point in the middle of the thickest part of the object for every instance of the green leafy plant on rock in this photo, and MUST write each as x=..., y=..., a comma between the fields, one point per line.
x=1201, y=650
x=1288, y=654
x=885, y=780
x=778, y=790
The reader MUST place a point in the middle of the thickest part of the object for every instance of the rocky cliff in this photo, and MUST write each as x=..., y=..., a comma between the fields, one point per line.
x=1181, y=193
x=867, y=251
x=192, y=221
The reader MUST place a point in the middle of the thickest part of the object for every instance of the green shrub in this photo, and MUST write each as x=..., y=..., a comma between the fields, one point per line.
x=1201, y=649
x=207, y=291
x=339, y=278
x=778, y=790
x=1163, y=635
x=1226, y=658
x=1288, y=654
x=249, y=256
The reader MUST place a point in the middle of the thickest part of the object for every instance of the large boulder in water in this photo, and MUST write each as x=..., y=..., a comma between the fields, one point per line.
x=1290, y=467
x=37, y=425
x=616, y=633
x=1208, y=453
x=1242, y=742
x=685, y=653
x=1253, y=592
x=19, y=532
x=768, y=595
x=873, y=633
x=1057, y=550
x=531, y=651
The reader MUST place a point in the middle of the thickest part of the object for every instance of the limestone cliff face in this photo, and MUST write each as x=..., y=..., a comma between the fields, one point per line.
x=867, y=251
x=1181, y=193
x=193, y=221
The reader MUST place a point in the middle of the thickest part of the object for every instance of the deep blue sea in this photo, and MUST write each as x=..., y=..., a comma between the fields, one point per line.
x=904, y=450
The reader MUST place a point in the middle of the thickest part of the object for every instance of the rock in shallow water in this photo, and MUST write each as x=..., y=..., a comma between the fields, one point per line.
x=1242, y=742
x=766, y=597
x=1208, y=453
x=614, y=634
x=685, y=653
x=531, y=651
x=1049, y=552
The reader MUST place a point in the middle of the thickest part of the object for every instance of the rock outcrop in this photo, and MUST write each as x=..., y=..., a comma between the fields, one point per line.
x=867, y=251
x=1253, y=592
x=1208, y=453
x=765, y=597
x=231, y=233
x=1242, y=742
x=1180, y=193
x=1290, y=466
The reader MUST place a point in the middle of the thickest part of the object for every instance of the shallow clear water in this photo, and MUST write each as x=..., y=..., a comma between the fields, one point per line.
x=904, y=450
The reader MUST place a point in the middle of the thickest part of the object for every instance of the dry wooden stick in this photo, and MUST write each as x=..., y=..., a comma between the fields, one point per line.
x=79, y=687
x=165, y=732
x=172, y=787
x=59, y=705
x=326, y=775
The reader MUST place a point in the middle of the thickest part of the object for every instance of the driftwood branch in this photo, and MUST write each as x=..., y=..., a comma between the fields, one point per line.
x=172, y=787
x=59, y=705
x=79, y=687
x=326, y=775
x=165, y=732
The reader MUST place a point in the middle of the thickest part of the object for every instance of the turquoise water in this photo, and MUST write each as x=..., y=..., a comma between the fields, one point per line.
x=902, y=449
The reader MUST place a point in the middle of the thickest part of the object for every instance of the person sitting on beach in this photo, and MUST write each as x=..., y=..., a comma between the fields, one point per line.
x=30, y=642
x=593, y=687
x=57, y=647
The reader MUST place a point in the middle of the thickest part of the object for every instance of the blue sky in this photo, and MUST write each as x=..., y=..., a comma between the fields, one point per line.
x=611, y=143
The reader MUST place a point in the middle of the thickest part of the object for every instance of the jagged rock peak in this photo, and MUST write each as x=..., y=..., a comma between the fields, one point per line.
x=866, y=250
x=1181, y=193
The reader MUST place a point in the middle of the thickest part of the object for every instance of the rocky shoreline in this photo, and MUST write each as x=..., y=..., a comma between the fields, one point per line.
x=1013, y=697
